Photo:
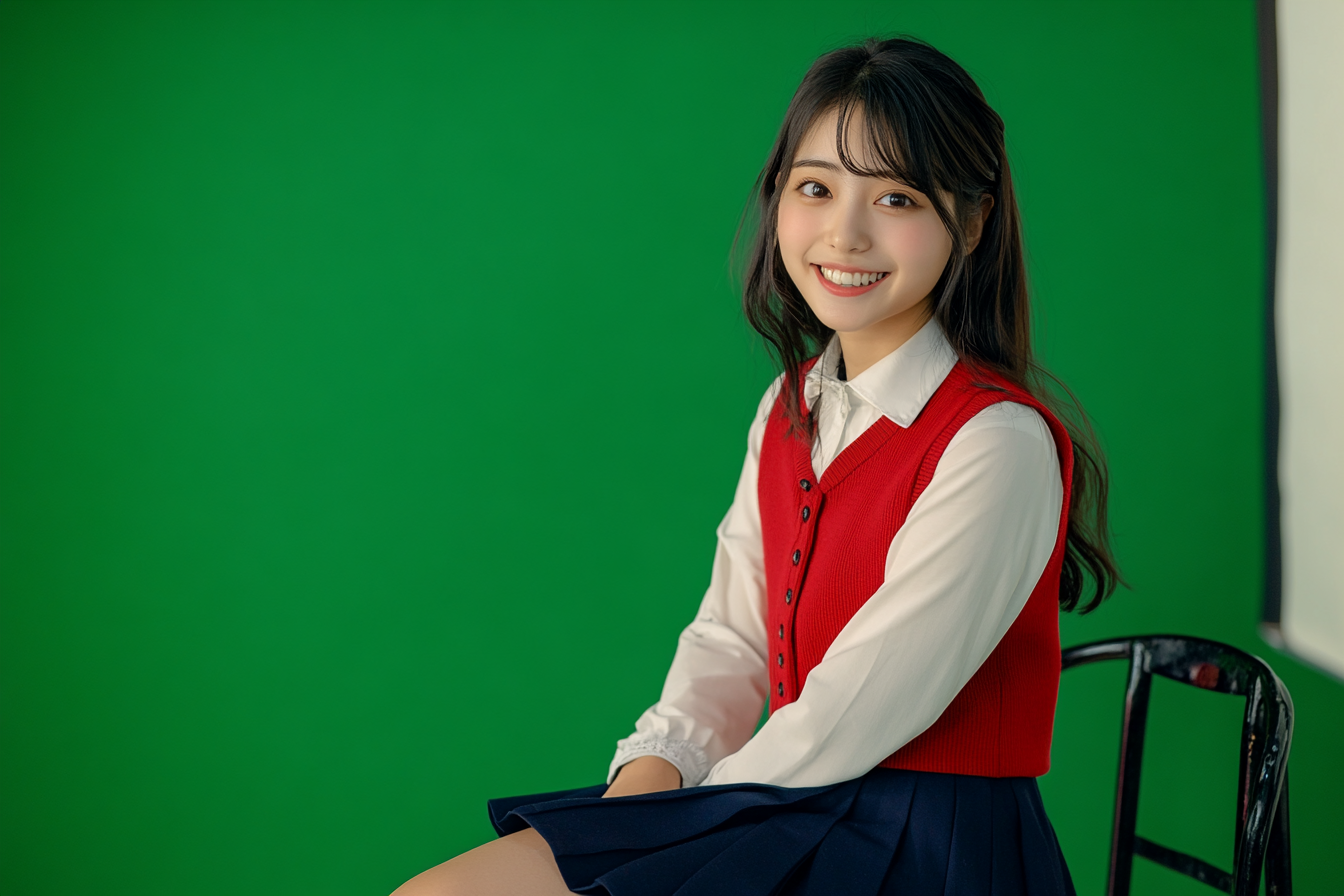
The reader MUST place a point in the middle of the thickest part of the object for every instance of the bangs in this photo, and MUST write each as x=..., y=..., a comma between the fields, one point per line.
x=888, y=128
x=883, y=141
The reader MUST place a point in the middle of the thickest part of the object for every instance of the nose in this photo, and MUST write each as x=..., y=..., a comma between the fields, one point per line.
x=847, y=229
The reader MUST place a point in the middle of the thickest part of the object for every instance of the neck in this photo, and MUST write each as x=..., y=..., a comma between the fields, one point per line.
x=864, y=348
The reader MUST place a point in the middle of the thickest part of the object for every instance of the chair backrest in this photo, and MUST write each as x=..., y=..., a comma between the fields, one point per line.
x=1267, y=730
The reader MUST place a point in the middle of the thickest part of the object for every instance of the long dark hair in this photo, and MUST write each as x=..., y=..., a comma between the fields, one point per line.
x=929, y=126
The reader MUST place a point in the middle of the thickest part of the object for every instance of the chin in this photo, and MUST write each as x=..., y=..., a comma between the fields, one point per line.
x=841, y=322
x=843, y=326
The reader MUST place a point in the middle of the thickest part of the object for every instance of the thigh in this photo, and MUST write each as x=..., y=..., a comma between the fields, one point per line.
x=520, y=864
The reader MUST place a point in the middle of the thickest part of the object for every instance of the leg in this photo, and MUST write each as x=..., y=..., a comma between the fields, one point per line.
x=520, y=864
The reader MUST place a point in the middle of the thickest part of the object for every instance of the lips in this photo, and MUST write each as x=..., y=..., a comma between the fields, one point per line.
x=839, y=288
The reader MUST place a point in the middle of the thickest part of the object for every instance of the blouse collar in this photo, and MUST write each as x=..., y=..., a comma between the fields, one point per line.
x=900, y=384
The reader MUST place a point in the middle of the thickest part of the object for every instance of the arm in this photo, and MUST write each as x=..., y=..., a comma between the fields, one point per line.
x=957, y=574
x=644, y=774
x=715, y=689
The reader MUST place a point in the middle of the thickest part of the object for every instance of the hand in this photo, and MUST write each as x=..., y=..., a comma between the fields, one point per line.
x=647, y=774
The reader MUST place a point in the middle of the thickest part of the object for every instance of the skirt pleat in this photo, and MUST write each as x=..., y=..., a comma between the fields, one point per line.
x=972, y=828
x=763, y=859
x=1038, y=837
x=890, y=831
x=856, y=856
x=919, y=865
x=1006, y=857
x=662, y=872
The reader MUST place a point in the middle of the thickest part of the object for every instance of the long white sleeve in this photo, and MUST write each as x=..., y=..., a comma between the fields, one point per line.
x=957, y=574
x=715, y=690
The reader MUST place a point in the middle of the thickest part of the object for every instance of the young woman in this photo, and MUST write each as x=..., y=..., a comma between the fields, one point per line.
x=910, y=518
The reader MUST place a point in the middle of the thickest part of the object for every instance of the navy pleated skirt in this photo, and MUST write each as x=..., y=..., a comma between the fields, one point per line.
x=890, y=831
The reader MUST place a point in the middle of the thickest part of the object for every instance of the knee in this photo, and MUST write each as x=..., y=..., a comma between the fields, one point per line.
x=518, y=863
x=441, y=880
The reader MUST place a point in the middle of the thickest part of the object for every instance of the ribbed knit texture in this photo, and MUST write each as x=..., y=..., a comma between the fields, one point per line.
x=825, y=554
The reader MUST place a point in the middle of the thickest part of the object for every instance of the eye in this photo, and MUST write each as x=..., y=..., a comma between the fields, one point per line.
x=813, y=190
x=896, y=200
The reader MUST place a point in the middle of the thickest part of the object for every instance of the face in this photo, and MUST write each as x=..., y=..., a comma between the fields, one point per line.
x=865, y=252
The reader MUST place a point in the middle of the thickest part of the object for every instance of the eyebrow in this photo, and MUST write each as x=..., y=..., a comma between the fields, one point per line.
x=816, y=163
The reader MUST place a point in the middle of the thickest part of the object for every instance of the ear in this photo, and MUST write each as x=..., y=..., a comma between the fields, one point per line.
x=975, y=225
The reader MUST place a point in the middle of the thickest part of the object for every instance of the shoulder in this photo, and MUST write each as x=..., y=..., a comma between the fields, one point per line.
x=1009, y=415
x=1014, y=431
x=1004, y=456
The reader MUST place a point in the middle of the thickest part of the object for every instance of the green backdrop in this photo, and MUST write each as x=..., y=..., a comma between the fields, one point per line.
x=372, y=380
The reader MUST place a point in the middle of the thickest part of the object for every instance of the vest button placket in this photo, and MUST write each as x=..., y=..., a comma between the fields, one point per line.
x=809, y=516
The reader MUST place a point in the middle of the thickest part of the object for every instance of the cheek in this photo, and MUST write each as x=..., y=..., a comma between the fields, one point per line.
x=796, y=230
x=921, y=249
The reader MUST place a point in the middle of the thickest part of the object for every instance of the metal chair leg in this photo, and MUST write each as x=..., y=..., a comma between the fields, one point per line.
x=1278, y=855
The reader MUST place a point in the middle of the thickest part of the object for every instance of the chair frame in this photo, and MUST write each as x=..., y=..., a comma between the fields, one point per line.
x=1267, y=729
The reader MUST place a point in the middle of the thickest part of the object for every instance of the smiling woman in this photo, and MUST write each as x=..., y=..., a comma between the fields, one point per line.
x=910, y=517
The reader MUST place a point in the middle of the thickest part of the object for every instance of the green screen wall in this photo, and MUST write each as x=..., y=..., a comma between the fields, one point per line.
x=372, y=381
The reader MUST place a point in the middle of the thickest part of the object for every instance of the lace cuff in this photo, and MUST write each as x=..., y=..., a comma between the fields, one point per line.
x=689, y=759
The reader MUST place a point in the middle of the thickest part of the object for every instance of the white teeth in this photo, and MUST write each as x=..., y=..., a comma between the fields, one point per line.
x=849, y=278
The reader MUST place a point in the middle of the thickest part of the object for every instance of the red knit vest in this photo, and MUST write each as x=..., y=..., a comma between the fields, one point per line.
x=825, y=551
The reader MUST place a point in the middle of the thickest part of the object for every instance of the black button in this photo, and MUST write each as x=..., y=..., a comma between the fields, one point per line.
x=788, y=596
x=807, y=512
x=781, y=632
x=797, y=555
x=781, y=689
x=781, y=659
x=806, y=486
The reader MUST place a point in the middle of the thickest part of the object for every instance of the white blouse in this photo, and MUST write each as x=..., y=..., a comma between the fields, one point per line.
x=957, y=574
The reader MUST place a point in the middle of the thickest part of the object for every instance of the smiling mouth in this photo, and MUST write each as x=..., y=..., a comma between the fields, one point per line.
x=848, y=283
x=851, y=278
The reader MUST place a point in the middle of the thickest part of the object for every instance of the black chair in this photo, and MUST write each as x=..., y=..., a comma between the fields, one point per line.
x=1261, y=831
